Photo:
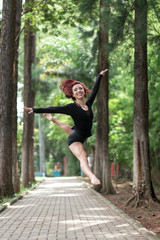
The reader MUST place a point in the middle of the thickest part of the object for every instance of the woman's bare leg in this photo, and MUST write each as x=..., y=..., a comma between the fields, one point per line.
x=78, y=150
x=65, y=127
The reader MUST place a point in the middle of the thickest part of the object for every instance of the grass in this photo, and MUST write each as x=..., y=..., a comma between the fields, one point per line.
x=22, y=191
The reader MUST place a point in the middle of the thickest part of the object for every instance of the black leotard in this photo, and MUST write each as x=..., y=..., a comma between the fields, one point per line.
x=82, y=118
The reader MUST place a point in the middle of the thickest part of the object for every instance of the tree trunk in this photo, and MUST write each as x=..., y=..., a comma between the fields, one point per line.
x=27, y=170
x=15, y=178
x=6, y=96
x=65, y=165
x=142, y=184
x=31, y=119
x=27, y=94
x=102, y=166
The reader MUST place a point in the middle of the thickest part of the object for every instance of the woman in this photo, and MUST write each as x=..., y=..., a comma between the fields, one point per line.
x=82, y=115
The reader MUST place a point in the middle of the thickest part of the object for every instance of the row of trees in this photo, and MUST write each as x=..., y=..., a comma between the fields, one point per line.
x=110, y=23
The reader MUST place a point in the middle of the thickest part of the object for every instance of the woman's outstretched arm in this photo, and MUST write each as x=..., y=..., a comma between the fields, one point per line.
x=66, y=109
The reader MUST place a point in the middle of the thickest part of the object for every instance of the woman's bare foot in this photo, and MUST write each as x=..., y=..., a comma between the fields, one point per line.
x=49, y=117
x=95, y=180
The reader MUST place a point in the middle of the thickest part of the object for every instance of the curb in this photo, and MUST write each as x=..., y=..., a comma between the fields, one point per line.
x=146, y=233
x=16, y=199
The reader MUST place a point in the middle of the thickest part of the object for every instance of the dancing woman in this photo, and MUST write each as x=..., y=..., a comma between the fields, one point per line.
x=82, y=115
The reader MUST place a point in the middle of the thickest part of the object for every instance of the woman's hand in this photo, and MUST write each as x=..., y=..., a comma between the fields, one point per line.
x=48, y=116
x=103, y=72
x=29, y=110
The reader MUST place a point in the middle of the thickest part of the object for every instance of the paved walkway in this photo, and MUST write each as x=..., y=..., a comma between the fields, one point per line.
x=65, y=209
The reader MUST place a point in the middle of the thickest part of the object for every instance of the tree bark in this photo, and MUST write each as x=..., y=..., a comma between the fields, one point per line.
x=27, y=166
x=101, y=165
x=65, y=165
x=31, y=119
x=142, y=184
x=6, y=96
x=27, y=92
x=15, y=178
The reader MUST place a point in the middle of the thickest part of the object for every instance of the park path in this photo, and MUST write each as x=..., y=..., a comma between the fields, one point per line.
x=66, y=209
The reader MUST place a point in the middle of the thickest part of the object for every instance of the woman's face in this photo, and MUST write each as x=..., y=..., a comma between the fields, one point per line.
x=78, y=91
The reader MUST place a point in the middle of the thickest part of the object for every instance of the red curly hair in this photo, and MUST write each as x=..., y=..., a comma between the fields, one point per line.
x=66, y=87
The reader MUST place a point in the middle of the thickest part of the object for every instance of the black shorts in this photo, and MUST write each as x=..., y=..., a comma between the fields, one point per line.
x=76, y=136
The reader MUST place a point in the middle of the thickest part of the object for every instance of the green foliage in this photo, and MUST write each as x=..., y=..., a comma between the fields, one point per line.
x=73, y=165
x=49, y=167
x=30, y=13
x=120, y=24
x=89, y=10
x=154, y=86
x=154, y=93
x=46, y=15
x=66, y=56
x=121, y=106
x=58, y=12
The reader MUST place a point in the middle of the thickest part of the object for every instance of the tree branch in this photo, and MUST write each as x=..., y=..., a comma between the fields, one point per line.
x=31, y=9
x=19, y=34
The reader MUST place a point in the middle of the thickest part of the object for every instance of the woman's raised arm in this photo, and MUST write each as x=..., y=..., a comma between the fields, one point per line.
x=96, y=87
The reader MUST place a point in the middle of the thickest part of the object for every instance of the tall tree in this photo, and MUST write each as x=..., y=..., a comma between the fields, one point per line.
x=31, y=119
x=15, y=178
x=142, y=184
x=8, y=71
x=102, y=166
x=27, y=166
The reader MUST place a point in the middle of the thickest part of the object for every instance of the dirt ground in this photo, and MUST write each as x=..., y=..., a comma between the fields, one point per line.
x=149, y=216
